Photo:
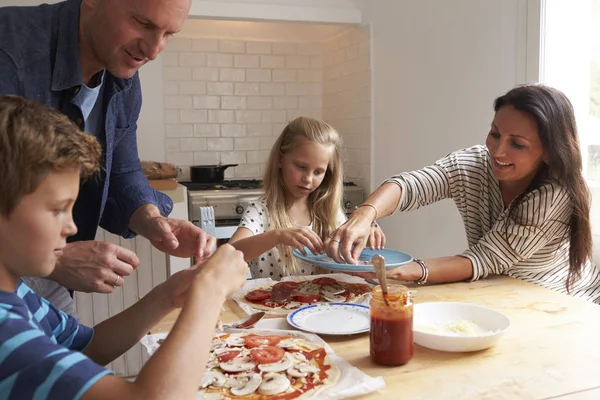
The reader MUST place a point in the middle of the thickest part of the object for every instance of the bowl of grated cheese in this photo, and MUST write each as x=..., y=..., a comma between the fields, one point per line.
x=457, y=327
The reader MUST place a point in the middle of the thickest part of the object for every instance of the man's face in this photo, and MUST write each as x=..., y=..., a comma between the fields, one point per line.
x=34, y=234
x=123, y=35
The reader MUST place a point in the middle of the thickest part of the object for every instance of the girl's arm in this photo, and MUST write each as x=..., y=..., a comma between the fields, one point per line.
x=175, y=370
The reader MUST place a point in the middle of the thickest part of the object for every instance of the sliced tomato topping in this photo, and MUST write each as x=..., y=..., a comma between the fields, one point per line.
x=252, y=341
x=287, y=284
x=258, y=295
x=267, y=354
x=307, y=298
x=324, y=281
x=228, y=355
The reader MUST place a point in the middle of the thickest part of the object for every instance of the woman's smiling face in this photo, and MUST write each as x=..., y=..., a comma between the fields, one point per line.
x=515, y=147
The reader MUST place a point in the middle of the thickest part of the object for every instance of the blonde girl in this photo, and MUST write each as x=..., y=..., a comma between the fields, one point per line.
x=301, y=204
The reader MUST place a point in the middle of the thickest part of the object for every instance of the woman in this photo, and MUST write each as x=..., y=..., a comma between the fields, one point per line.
x=523, y=200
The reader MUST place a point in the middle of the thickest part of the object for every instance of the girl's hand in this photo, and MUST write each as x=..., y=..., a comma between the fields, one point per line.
x=376, y=237
x=300, y=238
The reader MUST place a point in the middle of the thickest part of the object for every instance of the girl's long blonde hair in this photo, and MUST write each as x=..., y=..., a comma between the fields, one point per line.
x=325, y=202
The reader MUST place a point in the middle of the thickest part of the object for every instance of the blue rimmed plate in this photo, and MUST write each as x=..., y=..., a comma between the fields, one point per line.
x=332, y=318
x=393, y=258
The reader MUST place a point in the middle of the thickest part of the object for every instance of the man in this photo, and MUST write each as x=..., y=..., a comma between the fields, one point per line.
x=81, y=57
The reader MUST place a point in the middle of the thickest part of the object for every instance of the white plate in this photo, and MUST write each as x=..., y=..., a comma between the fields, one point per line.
x=332, y=318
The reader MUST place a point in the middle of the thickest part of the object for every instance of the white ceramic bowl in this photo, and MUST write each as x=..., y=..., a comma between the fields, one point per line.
x=492, y=325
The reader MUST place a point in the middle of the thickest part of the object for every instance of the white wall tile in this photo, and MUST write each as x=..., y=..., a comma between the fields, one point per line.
x=265, y=143
x=180, y=158
x=172, y=144
x=310, y=48
x=310, y=75
x=194, y=116
x=219, y=144
x=192, y=87
x=192, y=59
x=232, y=75
x=248, y=171
x=256, y=130
x=178, y=74
x=284, y=48
x=206, y=74
x=219, y=60
x=220, y=116
x=285, y=75
x=272, y=61
x=297, y=89
x=171, y=88
x=219, y=88
x=257, y=156
x=258, y=75
x=316, y=62
x=246, y=61
x=248, y=116
x=192, y=144
x=272, y=89
x=246, y=144
x=258, y=47
x=310, y=102
x=297, y=62
x=278, y=128
x=206, y=157
x=274, y=116
x=170, y=59
x=207, y=102
x=172, y=116
x=207, y=130
x=233, y=102
x=233, y=130
x=179, y=130
x=285, y=102
x=246, y=89
x=259, y=102
x=178, y=102
x=205, y=45
x=233, y=157
x=232, y=46
x=179, y=44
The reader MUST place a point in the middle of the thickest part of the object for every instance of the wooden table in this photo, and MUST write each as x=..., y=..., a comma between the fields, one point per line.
x=552, y=349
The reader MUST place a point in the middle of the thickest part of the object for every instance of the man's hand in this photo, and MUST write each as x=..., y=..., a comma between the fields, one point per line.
x=93, y=266
x=176, y=237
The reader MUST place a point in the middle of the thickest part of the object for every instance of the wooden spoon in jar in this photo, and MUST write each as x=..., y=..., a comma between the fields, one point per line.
x=379, y=264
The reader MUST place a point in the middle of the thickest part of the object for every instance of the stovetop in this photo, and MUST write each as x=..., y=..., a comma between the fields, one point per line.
x=233, y=184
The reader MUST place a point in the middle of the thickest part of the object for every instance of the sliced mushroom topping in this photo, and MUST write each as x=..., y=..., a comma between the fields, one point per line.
x=292, y=304
x=310, y=288
x=217, y=344
x=237, y=365
x=274, y=383
x=299, y=357
x=213, y=378
x=333, y=297
x=287, y=343
x=235, y=341
x=221, y=350
x=286, y=362
x=246, y=384
x=212, y=363
x=301, y=370
x=332, y=290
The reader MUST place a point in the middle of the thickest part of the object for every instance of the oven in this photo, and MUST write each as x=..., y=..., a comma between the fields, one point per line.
x=217, y=208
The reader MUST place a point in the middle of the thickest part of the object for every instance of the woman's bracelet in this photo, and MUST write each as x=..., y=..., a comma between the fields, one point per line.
x=425, y=275
x=372, y=206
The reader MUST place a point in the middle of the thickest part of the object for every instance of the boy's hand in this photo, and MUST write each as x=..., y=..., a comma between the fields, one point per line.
x=93, y=266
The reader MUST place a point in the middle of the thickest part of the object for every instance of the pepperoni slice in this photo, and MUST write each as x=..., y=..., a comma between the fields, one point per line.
x=307, y=298
x=229, y=355
x=287, y=284
x=258, y=295
x=267, y=354
x=252, y=341
x=324, y=281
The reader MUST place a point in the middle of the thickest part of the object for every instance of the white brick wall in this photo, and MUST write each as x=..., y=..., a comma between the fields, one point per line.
x=227, y=100
x=346, y=98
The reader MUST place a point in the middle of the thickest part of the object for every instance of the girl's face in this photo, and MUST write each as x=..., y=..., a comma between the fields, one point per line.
x=515, y=147
x=303, y=168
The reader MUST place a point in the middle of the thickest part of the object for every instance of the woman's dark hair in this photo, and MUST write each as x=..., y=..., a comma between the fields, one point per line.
x=558, y=133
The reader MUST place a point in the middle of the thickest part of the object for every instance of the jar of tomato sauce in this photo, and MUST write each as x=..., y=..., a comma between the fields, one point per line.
x=391, y=334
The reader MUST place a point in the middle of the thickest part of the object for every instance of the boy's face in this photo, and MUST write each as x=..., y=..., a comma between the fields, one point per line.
x=34, y=234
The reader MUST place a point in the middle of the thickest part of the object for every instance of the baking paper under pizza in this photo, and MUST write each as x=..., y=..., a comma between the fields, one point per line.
x=286, y=296
x=247, y=366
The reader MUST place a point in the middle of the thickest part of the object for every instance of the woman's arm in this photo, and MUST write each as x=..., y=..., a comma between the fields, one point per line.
x=441, y=270
x=173, y=372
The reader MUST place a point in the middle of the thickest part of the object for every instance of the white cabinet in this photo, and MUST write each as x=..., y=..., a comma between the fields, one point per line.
x=154, y=269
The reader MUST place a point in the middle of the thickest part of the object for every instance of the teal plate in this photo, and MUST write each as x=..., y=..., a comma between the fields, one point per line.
x=393, y=258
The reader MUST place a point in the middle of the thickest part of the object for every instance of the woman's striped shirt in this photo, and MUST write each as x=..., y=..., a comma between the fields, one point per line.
x=534, y=249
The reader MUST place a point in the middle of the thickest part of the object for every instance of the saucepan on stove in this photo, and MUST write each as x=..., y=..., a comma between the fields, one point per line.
x=209, y=173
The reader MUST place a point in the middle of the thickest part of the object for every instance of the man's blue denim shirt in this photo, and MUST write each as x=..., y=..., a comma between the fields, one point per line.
x=39, y=59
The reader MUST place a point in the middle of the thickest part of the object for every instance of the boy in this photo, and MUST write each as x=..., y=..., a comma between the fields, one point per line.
x=44, y=353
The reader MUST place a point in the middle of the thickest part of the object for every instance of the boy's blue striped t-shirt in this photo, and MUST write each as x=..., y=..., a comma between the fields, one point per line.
x=40, y=350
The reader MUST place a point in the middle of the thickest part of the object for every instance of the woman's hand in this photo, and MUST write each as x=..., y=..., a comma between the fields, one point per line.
x=346, y=243
x=376, y=237
x=300, y=238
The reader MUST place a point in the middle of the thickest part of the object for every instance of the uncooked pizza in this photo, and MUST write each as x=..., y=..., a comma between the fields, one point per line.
x=287, y=296
x=253, y=367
